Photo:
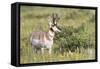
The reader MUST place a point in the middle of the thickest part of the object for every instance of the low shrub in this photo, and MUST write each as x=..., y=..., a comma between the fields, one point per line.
x=71, y=39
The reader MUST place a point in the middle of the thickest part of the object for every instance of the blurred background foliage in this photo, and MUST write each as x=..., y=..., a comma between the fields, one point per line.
x=75, y=42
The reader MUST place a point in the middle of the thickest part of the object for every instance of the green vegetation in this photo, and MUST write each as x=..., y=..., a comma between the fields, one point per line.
x=75, y=42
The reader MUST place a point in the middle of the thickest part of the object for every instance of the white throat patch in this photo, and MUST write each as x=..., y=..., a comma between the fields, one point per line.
x=51, y=35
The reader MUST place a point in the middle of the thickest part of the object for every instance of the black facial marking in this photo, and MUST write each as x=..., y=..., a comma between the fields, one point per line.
x=51, y=29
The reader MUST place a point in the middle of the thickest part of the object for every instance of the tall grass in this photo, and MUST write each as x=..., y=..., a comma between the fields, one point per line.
x=75, y=42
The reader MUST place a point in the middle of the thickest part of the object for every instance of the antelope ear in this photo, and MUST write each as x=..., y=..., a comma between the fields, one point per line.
x=49, y=18
x=50, y=21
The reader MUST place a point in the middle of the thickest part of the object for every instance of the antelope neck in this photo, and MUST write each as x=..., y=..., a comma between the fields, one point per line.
x=51, y=34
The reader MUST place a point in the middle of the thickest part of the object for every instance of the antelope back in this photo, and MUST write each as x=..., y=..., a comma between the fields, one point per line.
x=39, y=36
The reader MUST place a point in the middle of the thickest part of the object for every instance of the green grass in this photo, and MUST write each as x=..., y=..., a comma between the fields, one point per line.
x=38, y=58
x=36, y=19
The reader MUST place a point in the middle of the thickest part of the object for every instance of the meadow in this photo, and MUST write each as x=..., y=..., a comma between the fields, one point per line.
x=75, y=42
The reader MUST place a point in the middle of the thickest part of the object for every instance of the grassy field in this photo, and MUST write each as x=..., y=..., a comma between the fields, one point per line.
x=75, y=42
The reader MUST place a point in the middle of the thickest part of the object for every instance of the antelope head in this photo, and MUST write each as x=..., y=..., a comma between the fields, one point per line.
x=53, y=20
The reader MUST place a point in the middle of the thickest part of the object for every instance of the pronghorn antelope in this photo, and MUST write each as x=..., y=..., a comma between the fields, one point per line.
x=44, y=40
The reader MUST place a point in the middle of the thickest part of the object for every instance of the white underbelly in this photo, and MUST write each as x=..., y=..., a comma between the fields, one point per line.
x=42, y=44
